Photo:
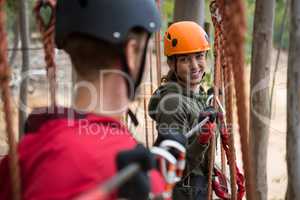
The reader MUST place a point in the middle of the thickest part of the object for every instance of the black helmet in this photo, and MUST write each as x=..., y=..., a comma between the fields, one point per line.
x=108, y=20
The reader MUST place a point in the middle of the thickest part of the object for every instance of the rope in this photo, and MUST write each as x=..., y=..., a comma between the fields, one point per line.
x=219, y=187
x=223, y=156
x=226, y=140
x=216, y=94
x=228, y=95
x=158, y=51
x=217, y=86
x=5, y=94
x=235, y=27
x=47, y=31
x=228, y=18
x=229, y=118
x=211, y=166
x=219, y=50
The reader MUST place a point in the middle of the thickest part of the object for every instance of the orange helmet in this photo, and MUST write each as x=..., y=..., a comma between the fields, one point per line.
x=185, y=37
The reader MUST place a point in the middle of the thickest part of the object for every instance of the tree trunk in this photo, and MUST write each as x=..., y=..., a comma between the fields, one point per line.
x=24, y=32
x=16, y=31
x=293, y=105
x=260, y=98
x=190, y=10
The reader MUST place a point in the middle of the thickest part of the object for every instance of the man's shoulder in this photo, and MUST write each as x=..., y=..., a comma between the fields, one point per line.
x=86, y=130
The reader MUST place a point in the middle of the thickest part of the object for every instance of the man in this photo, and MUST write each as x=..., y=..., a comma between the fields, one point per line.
x=176, y=105
x=68, y=151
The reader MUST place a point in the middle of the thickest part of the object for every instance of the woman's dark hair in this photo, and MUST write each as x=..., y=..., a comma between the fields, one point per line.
x=171, y=75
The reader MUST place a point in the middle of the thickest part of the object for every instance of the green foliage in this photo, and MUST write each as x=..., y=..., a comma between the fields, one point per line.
x=208, y=79
x=279, y=14
x=46, y=14
x=32, y=21
x=167, y=13
x=11, y=8
x=167, y=16
x=250, y=9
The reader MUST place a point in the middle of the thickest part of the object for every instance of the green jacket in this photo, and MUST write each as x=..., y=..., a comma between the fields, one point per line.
x=176, y=110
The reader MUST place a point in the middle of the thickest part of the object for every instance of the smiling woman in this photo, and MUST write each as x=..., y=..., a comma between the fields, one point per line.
x=189, y=68
x=185, y=45
x=175, y=106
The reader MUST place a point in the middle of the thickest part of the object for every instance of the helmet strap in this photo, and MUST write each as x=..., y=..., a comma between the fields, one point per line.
x=125, y=68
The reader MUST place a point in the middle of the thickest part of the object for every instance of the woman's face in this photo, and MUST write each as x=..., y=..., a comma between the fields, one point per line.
x=190, y=68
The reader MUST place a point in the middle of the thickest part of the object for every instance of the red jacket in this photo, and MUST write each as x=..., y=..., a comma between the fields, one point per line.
x=66, y=153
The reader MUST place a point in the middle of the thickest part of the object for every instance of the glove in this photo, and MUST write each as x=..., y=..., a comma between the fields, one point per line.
x=178, y=137
x=208, y=112
x=138, y=187
x=206, y=134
